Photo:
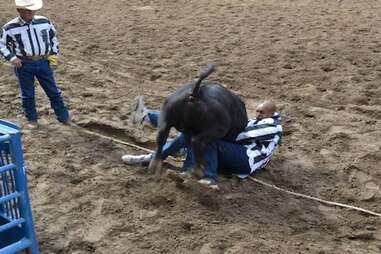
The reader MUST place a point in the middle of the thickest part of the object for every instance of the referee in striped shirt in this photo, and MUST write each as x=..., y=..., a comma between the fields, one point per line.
x=30, y=44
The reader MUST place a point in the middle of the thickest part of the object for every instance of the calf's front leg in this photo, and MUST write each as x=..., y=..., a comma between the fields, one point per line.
x=155, y=165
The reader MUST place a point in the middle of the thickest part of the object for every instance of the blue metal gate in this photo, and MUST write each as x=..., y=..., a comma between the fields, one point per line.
x=17, y=234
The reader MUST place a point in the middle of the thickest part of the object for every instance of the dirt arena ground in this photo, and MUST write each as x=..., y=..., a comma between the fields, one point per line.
x=320, y=60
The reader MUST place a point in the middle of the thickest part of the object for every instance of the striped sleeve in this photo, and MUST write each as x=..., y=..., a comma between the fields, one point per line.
x=5, y=41
x=55, y=48
x=264, y=130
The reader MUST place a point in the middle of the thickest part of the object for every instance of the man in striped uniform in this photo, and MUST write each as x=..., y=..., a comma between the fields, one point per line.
x=30, y=44
x=252, y=150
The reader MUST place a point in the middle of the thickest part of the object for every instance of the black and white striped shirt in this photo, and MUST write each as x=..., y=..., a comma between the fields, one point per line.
x=19, y=38
x=261, y=137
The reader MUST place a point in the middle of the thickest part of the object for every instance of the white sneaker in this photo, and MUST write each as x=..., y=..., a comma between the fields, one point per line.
x=140, y=111
x=137, y=159
x=209, y=183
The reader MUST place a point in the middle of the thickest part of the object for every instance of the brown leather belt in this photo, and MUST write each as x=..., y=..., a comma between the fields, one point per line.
x=34, y=58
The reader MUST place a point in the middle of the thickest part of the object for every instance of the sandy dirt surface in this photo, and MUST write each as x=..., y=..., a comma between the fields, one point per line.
x=319, y=59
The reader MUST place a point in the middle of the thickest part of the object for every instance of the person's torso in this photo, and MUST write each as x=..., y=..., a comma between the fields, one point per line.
x=261, y=138
x=30, y=39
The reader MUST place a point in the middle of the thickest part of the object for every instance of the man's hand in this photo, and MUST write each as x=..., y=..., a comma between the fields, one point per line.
x=16, y=62
x=53, y=61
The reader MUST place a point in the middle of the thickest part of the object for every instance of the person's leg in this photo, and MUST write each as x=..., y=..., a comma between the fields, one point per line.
x=230, y=157
x=45, y=76
x=211, y=162
x=170, y=148
x=25, y=76
x=189, y=161
x=152, y=117
x=173, y=146
x=143, y=116
x=233, y=159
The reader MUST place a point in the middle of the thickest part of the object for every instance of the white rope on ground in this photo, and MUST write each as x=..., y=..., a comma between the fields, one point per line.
x=251, y=178
x=118, y=140
x=314, y=198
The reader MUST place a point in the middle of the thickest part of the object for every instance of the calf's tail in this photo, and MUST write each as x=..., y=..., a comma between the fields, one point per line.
x=196, y=88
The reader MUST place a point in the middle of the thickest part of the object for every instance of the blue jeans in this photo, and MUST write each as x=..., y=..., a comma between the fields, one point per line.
x=220, y=156
x=44, y=74
x=226, y=157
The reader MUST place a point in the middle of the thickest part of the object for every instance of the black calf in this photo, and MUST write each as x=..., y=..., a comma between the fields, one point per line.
x=203, y=111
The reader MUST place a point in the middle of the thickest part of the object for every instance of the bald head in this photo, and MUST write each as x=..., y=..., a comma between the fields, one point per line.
x=265, y=110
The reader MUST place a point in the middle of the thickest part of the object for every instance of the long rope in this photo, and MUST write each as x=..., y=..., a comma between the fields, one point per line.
x=251, y=178
x=314, y=198
x=118, y=141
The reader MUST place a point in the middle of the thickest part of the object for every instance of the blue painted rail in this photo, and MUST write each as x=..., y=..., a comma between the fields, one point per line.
x=17, y=233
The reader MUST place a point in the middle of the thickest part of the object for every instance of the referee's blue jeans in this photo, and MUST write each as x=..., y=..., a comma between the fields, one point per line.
x=44, y=74
x=220, y=156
